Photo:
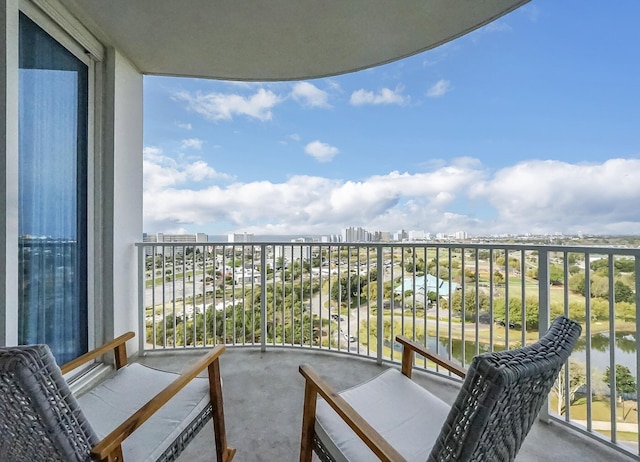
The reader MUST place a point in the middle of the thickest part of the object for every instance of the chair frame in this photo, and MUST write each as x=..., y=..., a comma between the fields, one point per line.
x=484, y=368
x=109, y=449
x=315, y=385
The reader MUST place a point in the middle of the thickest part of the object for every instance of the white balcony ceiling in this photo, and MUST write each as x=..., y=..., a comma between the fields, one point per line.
x=278, y=39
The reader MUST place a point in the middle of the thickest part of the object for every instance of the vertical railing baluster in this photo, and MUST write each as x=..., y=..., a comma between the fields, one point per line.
x=154, y=338
x=450, y=310
x=379, y=312
x=142, y=310
x=184, y=301
x=463, y=310
x=263, y=299
x=587, y=334
x=477, y=287
x=438, y=295
x=567, y=369
x=612, y=350
x=543, y=313
x=164, y=301
x=637, y=337
x=507, y=320
x=491, y=300
x=523, y=298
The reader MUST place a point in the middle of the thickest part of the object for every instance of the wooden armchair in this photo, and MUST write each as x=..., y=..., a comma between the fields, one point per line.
x=138, y=414
x=395, y=419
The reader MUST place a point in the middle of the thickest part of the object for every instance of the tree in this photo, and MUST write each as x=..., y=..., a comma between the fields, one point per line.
x=498, y=277
x=469, y=303
x=624, y=293
x=514, y=263
x=483, y=254
x=625, y=382
x=556, y=274
x=576, y=283
x=532, y=311
x=625, y=265
x=442, y=272
x=599, y=285
x=415, y=265
x=577, y=378
x=625, y=311
x=600, y=266
x=470, y=275
x=347, y=287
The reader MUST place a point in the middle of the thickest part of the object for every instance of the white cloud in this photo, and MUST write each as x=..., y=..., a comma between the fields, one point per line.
x=220, y=106
x=293, y=137
x=186, y=126
x=533, y=196
x=548, y=196
x=193, y=143
x=322, y=152
x=384, y=96
x=334, y=85
x=531, y=11
x=311, y=204
x=497, y=26
x=310, y=95
x=440, y=88
x=161, y=171
x=151, y=152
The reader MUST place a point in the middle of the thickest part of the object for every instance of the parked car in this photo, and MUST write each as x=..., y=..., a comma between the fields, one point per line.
x=512, y=325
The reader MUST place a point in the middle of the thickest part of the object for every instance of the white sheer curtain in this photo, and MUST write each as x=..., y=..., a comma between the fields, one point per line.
x=53, y=105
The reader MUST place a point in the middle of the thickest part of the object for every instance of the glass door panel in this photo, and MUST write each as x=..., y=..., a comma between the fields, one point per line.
x=53, y=110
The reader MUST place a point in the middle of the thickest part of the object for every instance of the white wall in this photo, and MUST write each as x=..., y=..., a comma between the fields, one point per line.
x=123, y=182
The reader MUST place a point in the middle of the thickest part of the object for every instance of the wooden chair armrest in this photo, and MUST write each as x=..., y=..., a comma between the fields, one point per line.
x=117, y=344
x=410, y=347
x=113, y=440
x=361, y=427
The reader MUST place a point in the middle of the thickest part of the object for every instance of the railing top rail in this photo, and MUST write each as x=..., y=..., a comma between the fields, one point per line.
x=590, y=249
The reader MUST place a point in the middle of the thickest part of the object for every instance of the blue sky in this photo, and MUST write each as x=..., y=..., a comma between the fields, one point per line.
x=530, y=124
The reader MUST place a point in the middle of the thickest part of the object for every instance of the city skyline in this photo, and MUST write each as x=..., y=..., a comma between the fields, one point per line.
x=356, y=235
x=527, y=125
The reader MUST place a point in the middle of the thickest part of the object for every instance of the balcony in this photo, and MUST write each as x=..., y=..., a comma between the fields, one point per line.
x=263, y=405
x=338, y=307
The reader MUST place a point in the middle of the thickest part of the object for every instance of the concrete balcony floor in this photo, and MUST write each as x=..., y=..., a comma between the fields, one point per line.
x=263, y=395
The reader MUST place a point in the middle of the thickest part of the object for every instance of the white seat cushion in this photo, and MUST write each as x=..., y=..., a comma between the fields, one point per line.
x=113, y=401
x=405, y=414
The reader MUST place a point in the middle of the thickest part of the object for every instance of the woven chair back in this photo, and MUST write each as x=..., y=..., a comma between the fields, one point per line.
x=501, y=397
x=40, y=420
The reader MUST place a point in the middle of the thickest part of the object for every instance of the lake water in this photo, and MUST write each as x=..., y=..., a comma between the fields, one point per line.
x=625, y=351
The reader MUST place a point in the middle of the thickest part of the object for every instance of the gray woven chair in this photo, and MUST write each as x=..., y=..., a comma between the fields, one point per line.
x=395, y=419
x=138, y=414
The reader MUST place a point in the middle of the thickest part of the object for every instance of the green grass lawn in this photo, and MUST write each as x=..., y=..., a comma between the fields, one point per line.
x=601, y=410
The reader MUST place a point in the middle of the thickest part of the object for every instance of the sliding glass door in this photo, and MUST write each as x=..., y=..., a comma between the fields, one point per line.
x=53, y=128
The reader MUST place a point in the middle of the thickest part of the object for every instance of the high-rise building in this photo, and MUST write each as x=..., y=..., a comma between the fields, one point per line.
x=240, y=238
x=358, y=234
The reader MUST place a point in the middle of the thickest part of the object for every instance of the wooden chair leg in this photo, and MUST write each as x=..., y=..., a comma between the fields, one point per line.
x=308, y=422
x=407, y=361
x=223, y=453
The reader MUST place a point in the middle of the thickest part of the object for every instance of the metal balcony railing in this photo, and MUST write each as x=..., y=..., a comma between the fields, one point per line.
x=458, y=299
